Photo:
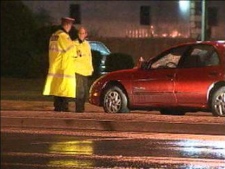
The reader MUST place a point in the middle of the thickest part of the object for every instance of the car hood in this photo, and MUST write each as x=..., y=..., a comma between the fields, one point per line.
x=120, y=74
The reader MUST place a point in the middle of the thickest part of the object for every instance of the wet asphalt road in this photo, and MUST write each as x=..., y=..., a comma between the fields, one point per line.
x=33, y=136
x=61, y=149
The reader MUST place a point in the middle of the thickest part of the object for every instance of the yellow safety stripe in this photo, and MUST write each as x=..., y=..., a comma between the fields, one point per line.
x=56, y=50
x=70, y=47
x=53, y=49
x=60, y=75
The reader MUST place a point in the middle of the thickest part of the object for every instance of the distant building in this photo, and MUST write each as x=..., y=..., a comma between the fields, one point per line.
x=137, y=19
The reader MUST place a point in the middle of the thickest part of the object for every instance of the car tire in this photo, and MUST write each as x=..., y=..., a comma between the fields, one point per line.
x=171, y=112
x=218, y=102
x=115, y=101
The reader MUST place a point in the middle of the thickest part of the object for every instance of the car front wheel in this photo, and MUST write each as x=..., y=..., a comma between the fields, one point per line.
x=218, y=102
x=115, y=101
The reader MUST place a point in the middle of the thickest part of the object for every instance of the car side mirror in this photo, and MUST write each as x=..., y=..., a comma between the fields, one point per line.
x=140, y=62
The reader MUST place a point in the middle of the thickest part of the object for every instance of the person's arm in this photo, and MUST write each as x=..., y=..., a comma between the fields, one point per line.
x=66, y=44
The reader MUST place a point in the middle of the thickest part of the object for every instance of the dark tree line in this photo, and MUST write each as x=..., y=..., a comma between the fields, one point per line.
x=17, y=34
x=24, y=41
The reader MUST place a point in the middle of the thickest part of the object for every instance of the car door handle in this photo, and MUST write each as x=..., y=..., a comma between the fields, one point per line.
x=169, y=76
x=214, y=74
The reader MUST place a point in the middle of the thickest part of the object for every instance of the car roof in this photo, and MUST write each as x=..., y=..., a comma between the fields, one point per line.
x=214, y=43
x=220, y=43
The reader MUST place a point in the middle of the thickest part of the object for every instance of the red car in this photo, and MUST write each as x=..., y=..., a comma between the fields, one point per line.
x=186, y=78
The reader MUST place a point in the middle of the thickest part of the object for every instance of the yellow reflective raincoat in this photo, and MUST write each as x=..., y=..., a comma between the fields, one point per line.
x=61, y=76
x=83, y=60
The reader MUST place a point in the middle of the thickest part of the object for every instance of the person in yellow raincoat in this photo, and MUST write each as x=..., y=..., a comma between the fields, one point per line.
x=60, y=81
x=83, y=69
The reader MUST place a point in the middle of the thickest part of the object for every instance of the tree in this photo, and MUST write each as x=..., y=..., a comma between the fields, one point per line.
x=43, y=18
x=17, y=41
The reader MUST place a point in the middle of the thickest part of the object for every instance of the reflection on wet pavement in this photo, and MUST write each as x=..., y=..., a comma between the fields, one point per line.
x=203, y=149
x=71, y=148
x=123, y=153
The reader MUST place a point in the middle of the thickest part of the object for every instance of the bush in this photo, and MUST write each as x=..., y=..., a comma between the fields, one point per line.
x=42, y=36
x=119, y=61
x=38, y=66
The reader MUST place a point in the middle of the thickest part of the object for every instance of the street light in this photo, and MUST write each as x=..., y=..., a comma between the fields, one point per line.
x=203, y=30
x=184, y=6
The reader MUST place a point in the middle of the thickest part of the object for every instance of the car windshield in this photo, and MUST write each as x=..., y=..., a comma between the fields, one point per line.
x=100, y=47
x=168, y=59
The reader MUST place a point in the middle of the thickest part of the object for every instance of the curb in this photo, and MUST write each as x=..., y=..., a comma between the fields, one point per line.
x=111, y=125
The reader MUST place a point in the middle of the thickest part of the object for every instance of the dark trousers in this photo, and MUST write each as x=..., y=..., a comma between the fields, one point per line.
x=61, y=103
x=81, y=92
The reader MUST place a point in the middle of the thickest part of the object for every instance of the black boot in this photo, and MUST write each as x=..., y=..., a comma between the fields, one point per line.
x=65, y=105
x=79, y=105
x=57, y=104
x=61, y=104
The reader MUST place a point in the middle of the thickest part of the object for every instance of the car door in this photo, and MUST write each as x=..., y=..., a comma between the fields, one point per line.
x=154, y=85
x=198, y=71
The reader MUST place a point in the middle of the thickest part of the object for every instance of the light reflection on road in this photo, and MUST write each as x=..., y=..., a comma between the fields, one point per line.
x=122, y=150
x=79, y=147
x=194, y=154
x=203, y=148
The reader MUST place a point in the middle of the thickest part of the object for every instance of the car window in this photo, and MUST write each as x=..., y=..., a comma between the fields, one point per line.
x=169, y=59
x=200, y=56
x=100, y=47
